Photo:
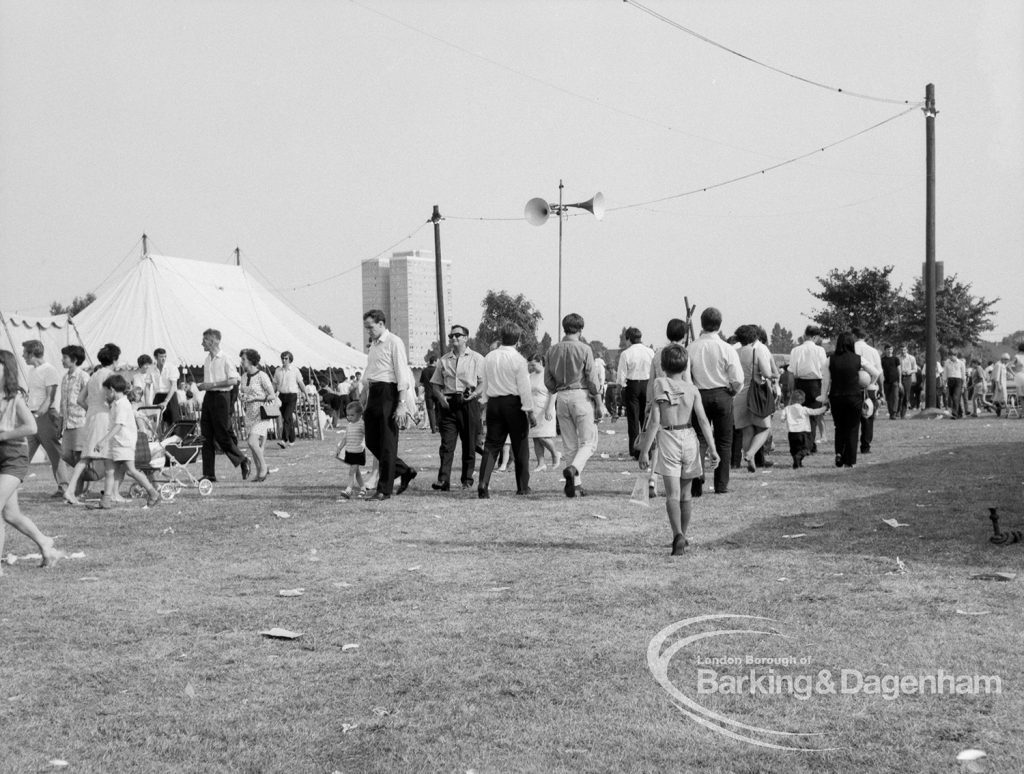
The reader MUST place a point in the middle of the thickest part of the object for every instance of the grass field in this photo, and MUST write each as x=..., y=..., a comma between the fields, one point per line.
x=512, y=634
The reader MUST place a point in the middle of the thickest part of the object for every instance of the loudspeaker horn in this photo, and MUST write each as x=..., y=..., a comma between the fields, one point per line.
x=593, y=205
x=537, y=211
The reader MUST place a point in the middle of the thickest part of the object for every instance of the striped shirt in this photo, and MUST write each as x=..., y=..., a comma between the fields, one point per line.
x=355, y=436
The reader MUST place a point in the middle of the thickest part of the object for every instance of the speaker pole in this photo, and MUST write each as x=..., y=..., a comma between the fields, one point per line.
x=435, y=218
x=558, y=322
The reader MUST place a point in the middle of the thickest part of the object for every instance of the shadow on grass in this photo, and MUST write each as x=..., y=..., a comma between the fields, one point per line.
x=942, y=497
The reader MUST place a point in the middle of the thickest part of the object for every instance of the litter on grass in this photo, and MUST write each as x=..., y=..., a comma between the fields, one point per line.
x=282, y=514
x=814, y=524
x=972, y=760
x=413, y=568
x=995, y=576
x=89, y=578
x=341, y=585
x=190, y=690
x=901, y=568
x=281, y=634
x=973, y=612
x=57, y=763
x=894, y=523
x=291, y=592
x=794, y=537
x=350, y=646
x=599, y=516
x=346, y=727
x=500, y=588
x=381, y=712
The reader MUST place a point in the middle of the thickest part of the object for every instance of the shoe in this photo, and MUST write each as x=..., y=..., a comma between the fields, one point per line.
x=814, y=448
x=839, y=460
x=540, y=468
x=407, y=477
x=750, y=465
x=103, y=504
x=483, y=494
x=580, y=492
x=796, y=463
x=570, y=474
x=345, y=494
x=697, y=487
x=467, y=484
x=440, y=486
x=865, y=451
x=379, y=496
x=281, y=444
x=246, y=469
x=768, y=463
x=212, y=479
x=678, y=545
x=723, y=490
x=524, y=492
x=153, y=499
x=58, y=495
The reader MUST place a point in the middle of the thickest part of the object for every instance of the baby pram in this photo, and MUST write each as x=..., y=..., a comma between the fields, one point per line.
x=165, y=461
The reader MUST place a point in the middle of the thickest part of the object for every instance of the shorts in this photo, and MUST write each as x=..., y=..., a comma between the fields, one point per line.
x=122, y=453
x=14, y=459
x=355, y=458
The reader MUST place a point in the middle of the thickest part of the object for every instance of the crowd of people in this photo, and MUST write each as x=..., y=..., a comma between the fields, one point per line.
x=691, y=409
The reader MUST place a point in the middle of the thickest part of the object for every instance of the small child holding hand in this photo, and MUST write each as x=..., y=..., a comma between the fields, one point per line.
x=798, y=423
x=123, y=437
x=352, y=449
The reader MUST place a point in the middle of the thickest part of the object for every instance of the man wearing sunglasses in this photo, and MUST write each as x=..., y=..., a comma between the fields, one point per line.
x=459, y=372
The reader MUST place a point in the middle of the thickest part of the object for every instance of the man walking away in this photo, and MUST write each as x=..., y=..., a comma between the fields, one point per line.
x=633, y=375
x=807, y=362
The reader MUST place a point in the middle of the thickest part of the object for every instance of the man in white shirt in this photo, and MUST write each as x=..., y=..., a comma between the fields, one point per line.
x=289, y=385
x=386, y=400
x=42, y=380
x=715, y=370
x=165, y=384
x=456, y=376
x=806, y=363
x=871, y=356
x=633, y=375
x=510, y=409
x=219, y=377
x=909, y=371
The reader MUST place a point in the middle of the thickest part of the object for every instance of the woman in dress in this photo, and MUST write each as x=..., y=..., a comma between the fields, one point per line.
x=257, y=392
x=844, y=390
x=93, y=398
x=543, y=434
x=754, y=356
x=16, y=424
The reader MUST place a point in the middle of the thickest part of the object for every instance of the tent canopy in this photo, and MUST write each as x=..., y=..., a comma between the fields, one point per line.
x=169, y=302
x=55, y=332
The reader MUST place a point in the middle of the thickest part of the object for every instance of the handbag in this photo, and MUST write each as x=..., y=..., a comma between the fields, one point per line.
x=760, y=398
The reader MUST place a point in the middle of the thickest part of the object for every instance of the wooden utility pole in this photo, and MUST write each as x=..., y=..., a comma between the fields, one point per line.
x=238, y=256
x=435, y=218
x=145, y=248
x=931, y=357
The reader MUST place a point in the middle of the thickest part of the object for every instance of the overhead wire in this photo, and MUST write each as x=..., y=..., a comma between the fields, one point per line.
x=356, y=266
x=759, y=63
x=118, y=266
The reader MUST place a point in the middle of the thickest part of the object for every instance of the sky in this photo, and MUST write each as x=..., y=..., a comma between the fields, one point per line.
x=314, y=134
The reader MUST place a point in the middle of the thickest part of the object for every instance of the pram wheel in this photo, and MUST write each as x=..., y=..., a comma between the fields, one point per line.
x=205, y=487
x=168, y=491
x=136, y=491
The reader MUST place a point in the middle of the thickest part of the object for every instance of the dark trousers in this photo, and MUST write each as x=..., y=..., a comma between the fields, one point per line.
x=812, y=391
x=505, y=418
x=867, y=425
x=717, y=404
x=892, y=398
x=634, y=398
x=288, y=401
x=846, y=415
x=382, y=433
x=799, y=445
x=215, y=426
x=460, y=422
x=433, y=408
x=955, y=387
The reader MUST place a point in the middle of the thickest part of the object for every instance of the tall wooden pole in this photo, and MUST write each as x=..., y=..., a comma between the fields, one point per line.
x=931, y=358
x=145, y=247
x=435, y=218
x=238, y=256
x=561, y=209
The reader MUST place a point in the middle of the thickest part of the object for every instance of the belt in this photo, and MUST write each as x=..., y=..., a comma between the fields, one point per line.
x=807, y=378
x=676, y=427
x=569, y=389
x=711, y=389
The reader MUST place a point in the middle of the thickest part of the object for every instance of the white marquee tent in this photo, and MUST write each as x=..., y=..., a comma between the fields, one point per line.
x=55, y=332
x=169, y=302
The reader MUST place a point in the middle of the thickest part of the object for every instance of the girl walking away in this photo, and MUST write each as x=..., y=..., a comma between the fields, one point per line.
x=352, y=450
x=122, y=438
x=16, y=425
x=676, y=403
x=261, y=408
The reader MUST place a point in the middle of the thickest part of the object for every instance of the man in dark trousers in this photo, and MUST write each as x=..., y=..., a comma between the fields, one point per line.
x=457, y=376
x=429, y=401
x=633, y=375
x=219, y=378
x=386, y=403
x=807, y=362
x=506, y=385
x=716, y=372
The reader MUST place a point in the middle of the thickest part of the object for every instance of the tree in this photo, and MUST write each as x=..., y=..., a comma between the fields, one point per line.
x=960, y=318
x=77, y=305
x=1015, y=338
x=863, y=297
x=781, y=340
x=545, y=345
x=501, y=308
x=326, y=329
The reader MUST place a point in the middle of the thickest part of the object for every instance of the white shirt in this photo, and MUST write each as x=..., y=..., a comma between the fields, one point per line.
x=869, y=355
x=713, y=362
x=807, y=360
x=908, y=365
x=387, y=362
x=218, y=368
x=39, y=380
x=506, y=373
x=164, y=379
x=798, y=418
x=287, y=379
x=635, y=364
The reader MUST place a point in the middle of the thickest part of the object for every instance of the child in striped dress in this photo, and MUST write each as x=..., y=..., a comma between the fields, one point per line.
x=352, y=450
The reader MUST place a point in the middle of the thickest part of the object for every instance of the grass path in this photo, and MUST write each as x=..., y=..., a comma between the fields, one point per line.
x=510, y=634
